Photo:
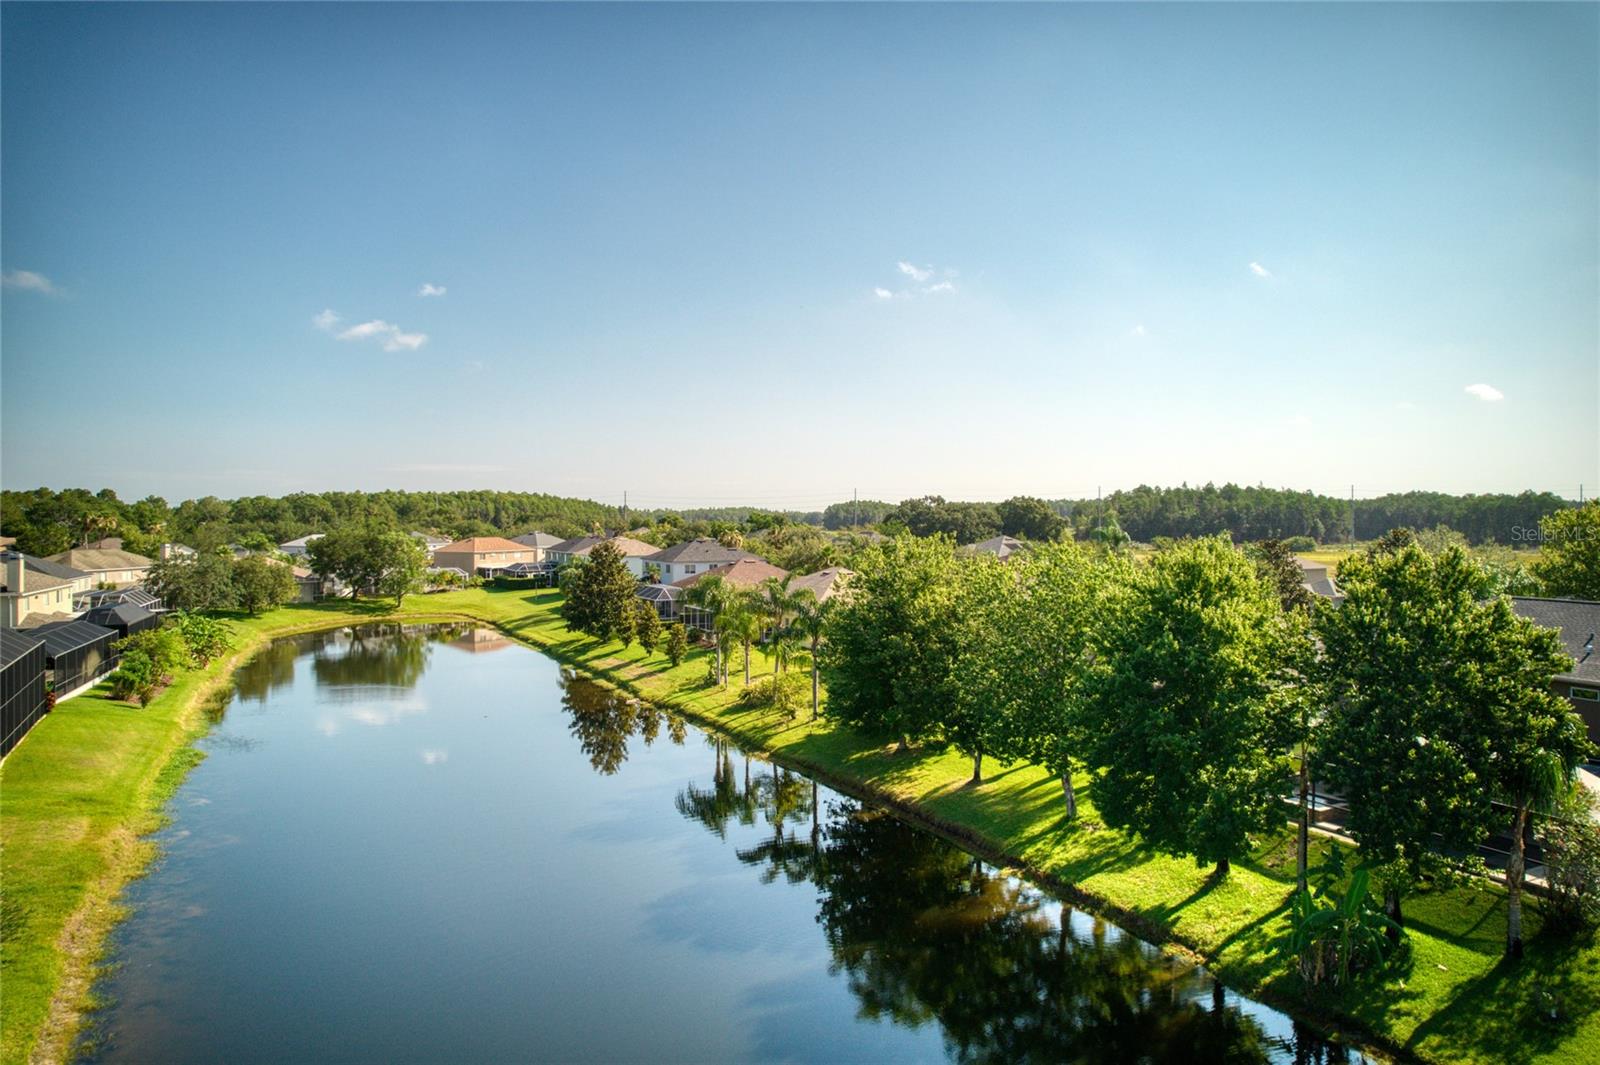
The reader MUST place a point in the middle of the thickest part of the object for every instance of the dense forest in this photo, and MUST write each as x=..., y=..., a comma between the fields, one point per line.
x=45, y=521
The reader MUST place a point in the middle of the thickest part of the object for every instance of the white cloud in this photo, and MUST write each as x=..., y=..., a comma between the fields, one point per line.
x=915, y=273
x=434, y=757
x=1487, y=393
x=1137, y=331
x=326, y=320
x=29, y=281
x=943, y=286
x=1259, y=270
x=883, y=293
x=391, y=335
x=430, y=289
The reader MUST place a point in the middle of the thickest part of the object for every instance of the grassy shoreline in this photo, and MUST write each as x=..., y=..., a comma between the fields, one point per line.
x=1456, y=1001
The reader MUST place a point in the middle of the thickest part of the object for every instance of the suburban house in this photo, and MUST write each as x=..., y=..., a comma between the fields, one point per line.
x=296, y=548
x=107, y=563
x=77, y=654
x=482, y=556
x=745, y=573
x=1001, y=547
x=692, y=557
x=634, y=552
x=177, y=551
x=824, y=584
x=541, y=542
x=1578, y=621
x=1314, y=576
x=431, y=543
x=35, y=590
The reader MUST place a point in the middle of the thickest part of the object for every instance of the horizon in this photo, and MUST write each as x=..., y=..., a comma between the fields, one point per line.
x=762, y=256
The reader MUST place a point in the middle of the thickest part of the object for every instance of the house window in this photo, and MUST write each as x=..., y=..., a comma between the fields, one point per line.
x=1589, y=695
x=688, y=571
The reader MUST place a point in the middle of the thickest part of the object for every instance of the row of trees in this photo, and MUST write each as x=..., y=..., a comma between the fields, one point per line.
x=1187, y=685
x=151, y=658
x=967, y=523
x=371, y=557
x=216, y=580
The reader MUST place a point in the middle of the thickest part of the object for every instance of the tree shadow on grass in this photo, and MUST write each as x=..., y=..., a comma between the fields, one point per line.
x=1519, y=1010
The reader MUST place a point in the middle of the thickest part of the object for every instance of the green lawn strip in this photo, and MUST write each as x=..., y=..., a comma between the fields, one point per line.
x=1452, y=1000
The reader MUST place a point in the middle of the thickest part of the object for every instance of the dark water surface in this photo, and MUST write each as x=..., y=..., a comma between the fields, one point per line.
x=429, y=845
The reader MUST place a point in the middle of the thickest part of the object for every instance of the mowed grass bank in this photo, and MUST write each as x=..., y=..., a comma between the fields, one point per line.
x=71, y=842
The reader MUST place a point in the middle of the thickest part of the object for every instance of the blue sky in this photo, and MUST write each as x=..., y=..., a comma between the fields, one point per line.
x=769, y=254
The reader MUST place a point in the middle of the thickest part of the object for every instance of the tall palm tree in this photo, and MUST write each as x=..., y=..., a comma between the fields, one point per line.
x=1544, y=775
x=780, y=604
x=810, y=621
x=745, y=621
x=713, y=595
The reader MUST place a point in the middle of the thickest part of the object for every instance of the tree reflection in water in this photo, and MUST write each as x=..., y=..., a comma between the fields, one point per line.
x=603, y=720
x=925, y=932
x=367, y=660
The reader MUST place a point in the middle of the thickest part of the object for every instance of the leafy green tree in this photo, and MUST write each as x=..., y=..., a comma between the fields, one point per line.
x=1277, y=565
x=1415, y=668
x=1569, y=560
x=1536, y=739
x=647, y=626
x=892, y=642
x=262, y=583
x=206, y=638
x=1030, y=519
x=780, y=603
x=677, y=642
x=1570, y=839
x=1185, y=709
x=204, y=582
x=601, y=597
x=400, y=561
x=975, y=723
x=1025, y=662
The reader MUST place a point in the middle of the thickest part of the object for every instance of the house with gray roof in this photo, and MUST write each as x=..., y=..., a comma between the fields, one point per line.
x=693, y=557
x=1578, y=622
x=541, y=542
x=36, y=590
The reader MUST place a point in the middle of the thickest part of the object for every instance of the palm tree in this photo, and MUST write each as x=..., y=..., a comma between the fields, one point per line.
x=713, y=595
x=811, y=621
x=745, y=621
x=1545, y=774
x=779, y=603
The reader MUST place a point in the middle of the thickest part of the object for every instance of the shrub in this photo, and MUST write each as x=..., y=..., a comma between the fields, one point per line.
x=1300, y=543
x=677, y=642
x=1333, y=936
x=206, y=638
x=163, y=647
x=134, y=678
x=785, y=692
x=1571, y=841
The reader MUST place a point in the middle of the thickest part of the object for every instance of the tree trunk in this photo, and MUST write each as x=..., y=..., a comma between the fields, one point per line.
x=977, y=767
x=1391, y=906
x=1070, y=794
x=1514, y=874
x=747, y=663
x=814, y=688
x=1223, y=868
x=1305, y=823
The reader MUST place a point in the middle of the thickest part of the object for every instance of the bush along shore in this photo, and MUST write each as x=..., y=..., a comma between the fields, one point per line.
x=89, y=782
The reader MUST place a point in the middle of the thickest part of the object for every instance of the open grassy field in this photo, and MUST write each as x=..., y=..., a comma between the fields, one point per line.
x=91, y=778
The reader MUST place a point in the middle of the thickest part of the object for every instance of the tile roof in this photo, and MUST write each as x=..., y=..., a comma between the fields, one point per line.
x=745, y=573
x=582, y=545
x=94, y=559
x=541, y=540
x=824, y=584
x=302, y=541
x=1578, y=621
x=999, y=546
x=478, y=545
x=703, y=549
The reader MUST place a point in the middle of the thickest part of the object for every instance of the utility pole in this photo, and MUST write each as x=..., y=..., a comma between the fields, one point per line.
x=625, y=525
x=1352, y=513
x=855, y=509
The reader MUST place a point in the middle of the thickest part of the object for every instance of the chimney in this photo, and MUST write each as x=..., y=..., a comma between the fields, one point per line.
x=15, y=572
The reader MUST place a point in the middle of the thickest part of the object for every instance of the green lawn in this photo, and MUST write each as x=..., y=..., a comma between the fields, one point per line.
x=67, y=834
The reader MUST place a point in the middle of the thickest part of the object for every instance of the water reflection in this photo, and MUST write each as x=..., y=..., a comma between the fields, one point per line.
x=371, y=661
x=925, y=932
x=604, y=719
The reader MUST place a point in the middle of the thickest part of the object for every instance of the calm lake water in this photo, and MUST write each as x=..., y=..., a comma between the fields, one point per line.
x=431, y=845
